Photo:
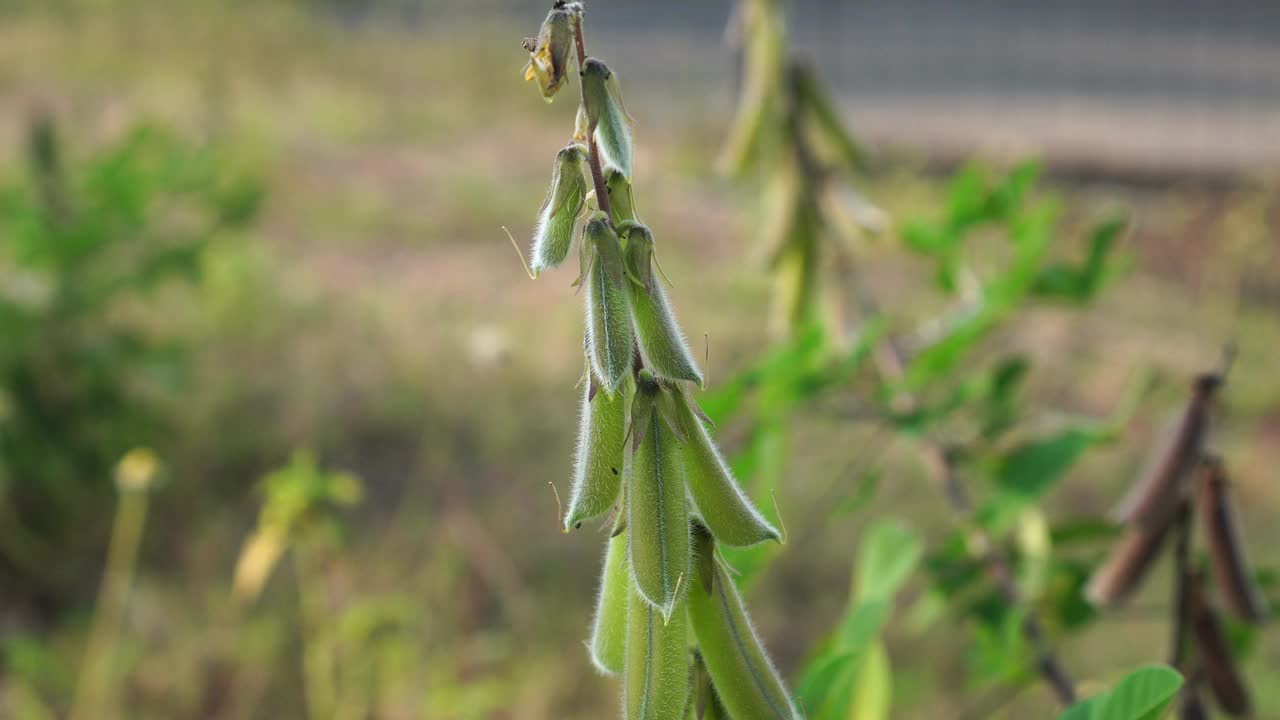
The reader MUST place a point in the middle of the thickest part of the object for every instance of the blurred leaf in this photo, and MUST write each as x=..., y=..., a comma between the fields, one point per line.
x=1031, y=469
x=866, y=487
x=1000, y=408
x=887, y=558
x=1080, y=283
x=873, y=689
x=1142, y=695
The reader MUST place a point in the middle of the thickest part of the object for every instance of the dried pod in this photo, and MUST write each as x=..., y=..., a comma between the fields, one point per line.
x=662, y=344
x=657, y=510
x=745, y=680
x=549, y=53
x=621, y=202
x=602, y=98
x=597, y=468
x=726, y=510
x=608, y=644
x=1131, y=557
x=657, y=673
x=1190, y=705
x=822, y=109
x=609, y=336
x=565, y=200
x=1230, y=567
x=1165, y=481
x=1216, y=658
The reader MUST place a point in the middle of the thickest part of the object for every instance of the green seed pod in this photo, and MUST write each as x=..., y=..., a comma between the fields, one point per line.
x=746, y=682
x=609, y=334
x=657, y=682
x=598, y=469
x=608, y=642
x=549, y=53
x=827, y=118
x=602, y=98
x=725, y=509
x=662, y=344
x=621, y=202
x=657, y=510
x=759, y=112
x=565, y=199
x=706, y=706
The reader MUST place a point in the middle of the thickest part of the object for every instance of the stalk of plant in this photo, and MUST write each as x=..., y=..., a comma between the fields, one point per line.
x=645, y=454
x=97, y=691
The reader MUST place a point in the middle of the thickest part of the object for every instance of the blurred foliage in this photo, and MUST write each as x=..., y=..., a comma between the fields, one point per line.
x=88, y=241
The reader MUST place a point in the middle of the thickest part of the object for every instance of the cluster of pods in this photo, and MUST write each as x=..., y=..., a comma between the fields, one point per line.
x=668, y=616
x=1185, y=481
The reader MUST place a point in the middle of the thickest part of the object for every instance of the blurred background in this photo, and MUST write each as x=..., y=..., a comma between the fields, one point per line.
x=279, y=406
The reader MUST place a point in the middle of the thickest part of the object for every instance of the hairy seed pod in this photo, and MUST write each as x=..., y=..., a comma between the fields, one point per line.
x=602, y=98
x=621, y=202
x=662, y=344
x=657, y=682
x=657, y=511
x=827, y=119
x=1230, y=567
x=1164, y=482
x=1131, y=557
x=553, y=235
x=1216, y=658
x=726, y=510
x=597, y=468
x=549, y=52
x=706, y=706
x=747, y=683
x=608, y=314
x=639, y=255
x=608, y=642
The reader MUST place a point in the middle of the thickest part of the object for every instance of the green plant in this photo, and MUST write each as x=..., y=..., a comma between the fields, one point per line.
x=645, y=452
x=86, y=243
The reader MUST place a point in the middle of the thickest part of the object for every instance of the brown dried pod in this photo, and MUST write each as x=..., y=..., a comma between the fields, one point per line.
x=1230, y=567
x=1131, y=557
x=1190, y=704
x=1165, y=480
x=1216, y=658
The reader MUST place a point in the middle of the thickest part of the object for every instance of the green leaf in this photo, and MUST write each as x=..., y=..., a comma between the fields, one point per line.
x=1031, y=469
x=1143, y=694
x=873, y=689
x=889, y=554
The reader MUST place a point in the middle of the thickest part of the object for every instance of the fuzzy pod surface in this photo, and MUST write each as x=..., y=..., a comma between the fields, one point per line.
x=602, y=98
x=657, y=677
x=662, y=344
x=566, y=198
x=608, y=643
x=746, y=682
x=719, y=500
x=609, y=335
x=657, y=509
x=598, y=464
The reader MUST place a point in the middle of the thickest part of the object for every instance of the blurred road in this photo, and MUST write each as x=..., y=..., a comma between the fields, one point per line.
x=1147, y=84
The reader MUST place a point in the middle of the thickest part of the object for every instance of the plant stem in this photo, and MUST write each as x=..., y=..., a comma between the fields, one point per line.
x=97, y=692
x=593, y=154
